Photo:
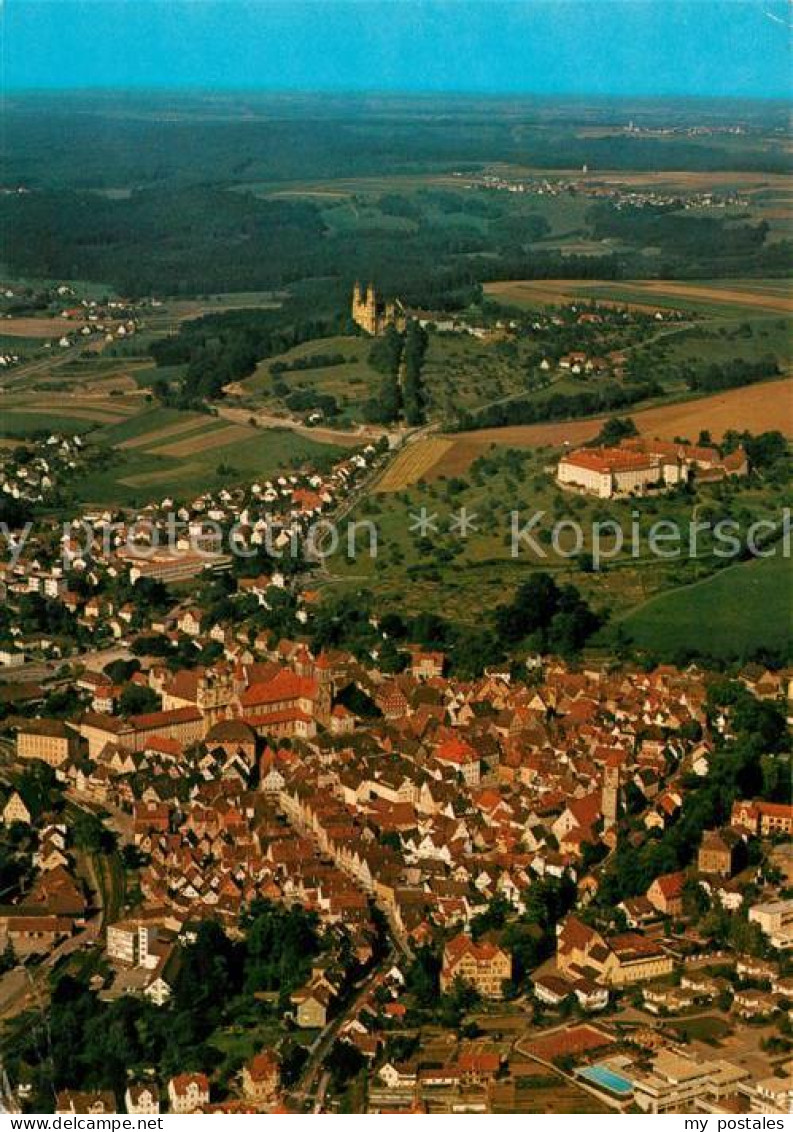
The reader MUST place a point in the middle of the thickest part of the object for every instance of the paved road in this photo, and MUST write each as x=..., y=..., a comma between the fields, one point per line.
x=312, y=1083
x=363, y=434
x=40, y=670
x=53, y=360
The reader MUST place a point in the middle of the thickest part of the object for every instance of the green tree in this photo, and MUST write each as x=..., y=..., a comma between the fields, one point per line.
x=423, y=977
x=138, y=700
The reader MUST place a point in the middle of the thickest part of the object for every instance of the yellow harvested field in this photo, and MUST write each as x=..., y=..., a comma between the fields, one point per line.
x=221, y=438
x=167, y=432
x=557, y=292
x=39, y=327
x=457, y=459
x=413, y=463
x=642, y=294
x=756, y=408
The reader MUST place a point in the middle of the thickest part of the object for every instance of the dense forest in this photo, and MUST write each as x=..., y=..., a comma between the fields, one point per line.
x=200, y=239
x=182, y=199
x=730, y=375
x=105, y=141
x=693, y=246
x=187, y=241
x=220, y=348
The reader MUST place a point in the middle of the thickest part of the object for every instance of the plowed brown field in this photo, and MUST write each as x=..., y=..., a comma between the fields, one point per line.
x=757, y=408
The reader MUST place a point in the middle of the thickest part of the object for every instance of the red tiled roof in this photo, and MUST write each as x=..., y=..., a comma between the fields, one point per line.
x=606, y=460
x=671, y=885
x=183, y=1081
x=165, y=718
x=285, y=686
x=456, y=751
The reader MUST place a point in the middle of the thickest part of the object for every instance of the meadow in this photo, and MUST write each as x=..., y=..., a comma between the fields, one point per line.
x=351, y=383
x=143, y=450
x=744, y=607
x=459, y=576
x=204, y=453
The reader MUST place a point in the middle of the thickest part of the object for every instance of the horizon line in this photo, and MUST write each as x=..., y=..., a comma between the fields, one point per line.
x=415, y=92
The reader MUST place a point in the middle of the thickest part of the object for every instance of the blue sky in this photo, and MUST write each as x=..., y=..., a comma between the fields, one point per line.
x=610, y=47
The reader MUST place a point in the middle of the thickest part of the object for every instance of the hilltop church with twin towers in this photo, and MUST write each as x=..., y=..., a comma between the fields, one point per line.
x=373, y=314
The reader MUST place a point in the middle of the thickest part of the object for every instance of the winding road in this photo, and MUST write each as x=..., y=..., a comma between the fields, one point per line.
x=313, y=1082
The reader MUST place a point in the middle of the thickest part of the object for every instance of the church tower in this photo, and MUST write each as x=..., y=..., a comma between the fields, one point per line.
x=371, y=310
x=323, y=674
x=214, y=695
x=611, y=793
x=373, y=315
x=364, y=308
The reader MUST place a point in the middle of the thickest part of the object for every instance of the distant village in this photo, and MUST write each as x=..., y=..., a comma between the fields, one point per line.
x=616, y=194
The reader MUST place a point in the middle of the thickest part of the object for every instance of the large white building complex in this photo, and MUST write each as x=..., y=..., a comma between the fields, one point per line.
x=640, y=465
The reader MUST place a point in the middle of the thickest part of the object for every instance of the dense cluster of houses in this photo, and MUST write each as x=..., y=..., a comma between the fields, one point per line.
x=255, y=780
x=415, y=800
x=619, y=195
x=169, y=542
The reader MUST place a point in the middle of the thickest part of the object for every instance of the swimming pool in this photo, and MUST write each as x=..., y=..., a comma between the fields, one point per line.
x=607, y=1079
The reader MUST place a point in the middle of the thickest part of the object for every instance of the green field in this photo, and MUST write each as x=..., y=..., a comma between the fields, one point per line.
x=458, y=576
x=707, y=1029
x=742, y=608
x=19, y=423
x=351, y=383
x=150, y=420
x=721, y=340
x=22, y=347
x=135, y=475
